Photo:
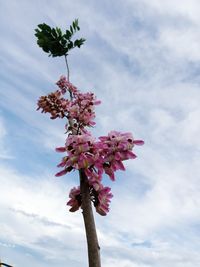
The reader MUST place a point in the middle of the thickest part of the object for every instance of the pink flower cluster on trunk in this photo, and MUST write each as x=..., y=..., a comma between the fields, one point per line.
x=82, y=151
x=79, y=109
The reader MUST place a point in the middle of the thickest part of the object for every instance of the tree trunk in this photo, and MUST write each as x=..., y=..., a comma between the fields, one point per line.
x=91, y=235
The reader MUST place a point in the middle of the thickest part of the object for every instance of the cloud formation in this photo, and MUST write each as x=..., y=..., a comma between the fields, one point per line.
x=141, y=59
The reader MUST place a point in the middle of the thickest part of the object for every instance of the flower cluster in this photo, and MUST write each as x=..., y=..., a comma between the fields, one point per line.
x=82, y=109
x=103, y=202
x=65, y=86
x=82, y=151
x=75, y=199
x=79, y=109
x=95, y=158
x=116, y=148
x=54, y=104
x=100, y=199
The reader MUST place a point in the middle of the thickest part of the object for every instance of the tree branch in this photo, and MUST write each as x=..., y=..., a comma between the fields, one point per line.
x=68, y=75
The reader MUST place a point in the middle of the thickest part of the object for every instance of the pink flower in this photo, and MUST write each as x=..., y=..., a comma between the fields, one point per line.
x=99, y=196
x=65, y=85
x=115, y=148
x=82, y=109
x=75, y=199
x=82, y=151
x=94, y=178
x=63, y=172
x=138, y=142
x=60, y=149
x=104, y=197
x=79, y=109
x=54, y=104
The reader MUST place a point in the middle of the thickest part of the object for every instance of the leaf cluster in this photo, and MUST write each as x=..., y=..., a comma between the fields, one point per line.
x=55, y=42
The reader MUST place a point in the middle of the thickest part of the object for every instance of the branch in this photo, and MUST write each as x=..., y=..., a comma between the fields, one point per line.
x=67, y=67
x=68, y=75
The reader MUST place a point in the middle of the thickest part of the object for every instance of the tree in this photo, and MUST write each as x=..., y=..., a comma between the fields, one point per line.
x=90, y=157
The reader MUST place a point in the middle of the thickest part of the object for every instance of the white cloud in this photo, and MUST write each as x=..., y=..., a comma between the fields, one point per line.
x=4, y=150
x=139, y=60
x=33, y=210
x=182, y=43
x=184, y=9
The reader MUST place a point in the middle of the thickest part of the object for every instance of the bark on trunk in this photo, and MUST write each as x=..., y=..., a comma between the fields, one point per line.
x=91, y=235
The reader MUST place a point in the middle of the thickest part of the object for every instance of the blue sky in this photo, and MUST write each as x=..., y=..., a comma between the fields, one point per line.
x=142, y=59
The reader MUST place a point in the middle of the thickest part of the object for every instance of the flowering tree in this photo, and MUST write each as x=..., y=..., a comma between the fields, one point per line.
x=82, y=152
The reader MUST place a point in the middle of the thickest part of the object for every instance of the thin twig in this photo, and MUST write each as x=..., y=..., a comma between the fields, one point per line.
x=67, y=67
x=71, y=96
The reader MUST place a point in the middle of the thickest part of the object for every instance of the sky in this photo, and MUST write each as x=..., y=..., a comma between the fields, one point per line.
x=142, y=60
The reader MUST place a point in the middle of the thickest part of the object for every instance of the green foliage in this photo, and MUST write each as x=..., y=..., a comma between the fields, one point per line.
x=55, y=42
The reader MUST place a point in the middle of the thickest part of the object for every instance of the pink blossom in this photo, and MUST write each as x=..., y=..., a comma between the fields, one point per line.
x=75, y=199
x=79, y=109
x=100, y=196
x=82, y=109
x=65, y=85
x=104, y=197
x=138, y=142
x=94, y=178
x=54, y=104
x=117, y=147
x=60, y=149
x=82, y=151
x=63, y=172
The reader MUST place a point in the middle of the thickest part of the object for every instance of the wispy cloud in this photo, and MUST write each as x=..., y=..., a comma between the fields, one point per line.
x=4, y=148
x=141, y=58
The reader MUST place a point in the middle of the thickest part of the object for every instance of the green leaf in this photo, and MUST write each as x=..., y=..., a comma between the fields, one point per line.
x=58, y=30
x=68, y=34
x=54, y=33
x=70, y=45
x=54, y=42
x=45, y=27
x=76, y=23
x=79, y=42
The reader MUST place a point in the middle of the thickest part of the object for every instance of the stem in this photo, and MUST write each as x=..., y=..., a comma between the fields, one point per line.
x=67, y=67
x=90, y=228
x=71, y=97
x=91, y=235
